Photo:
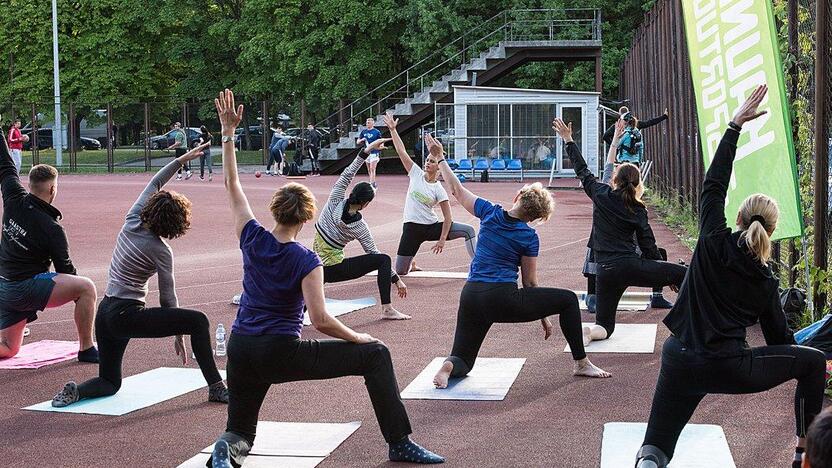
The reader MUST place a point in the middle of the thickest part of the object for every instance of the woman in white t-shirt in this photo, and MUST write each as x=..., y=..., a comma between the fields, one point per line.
x=420, y=221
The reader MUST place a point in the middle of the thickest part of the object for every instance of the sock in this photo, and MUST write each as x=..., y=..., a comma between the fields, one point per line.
x=88, y=355
x=798, y=457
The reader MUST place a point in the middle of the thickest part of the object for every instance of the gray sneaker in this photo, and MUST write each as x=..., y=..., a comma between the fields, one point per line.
x=67, y=396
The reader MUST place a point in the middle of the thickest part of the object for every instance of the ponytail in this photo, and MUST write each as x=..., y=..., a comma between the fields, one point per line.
x=758, y=216
x=627, y=179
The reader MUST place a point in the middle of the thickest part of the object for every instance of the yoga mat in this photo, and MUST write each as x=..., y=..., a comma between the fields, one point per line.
x=294, y=439
x=137, y=392
x=431, y=274
x=41, y=353
x=489, y=380
x=700, y=446
x=627, y=338
x=631, y=301
x=259, y=461
x=338, y=307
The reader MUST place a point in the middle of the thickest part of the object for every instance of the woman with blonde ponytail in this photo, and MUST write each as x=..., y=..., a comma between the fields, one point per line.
x=507, y=242
x=619, y=229
x=729, y=288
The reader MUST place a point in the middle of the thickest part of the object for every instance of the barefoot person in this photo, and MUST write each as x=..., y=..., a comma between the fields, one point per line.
x=729, y=287
x=619, y=225
x=32, y=240
x=420, y=221
x=367, y=137
x=491, y=294
x=340, y=222
x=141, y=252
x=280, y=275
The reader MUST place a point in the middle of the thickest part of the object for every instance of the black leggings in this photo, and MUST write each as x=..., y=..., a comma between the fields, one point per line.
x=181, y=152
x=257, y=362
x=414, y=234
x=118, y=320
x=615, y=276
x=686, y=377
x=313, y=155
x=484, y=304
x=590, y=277
x=356, y=267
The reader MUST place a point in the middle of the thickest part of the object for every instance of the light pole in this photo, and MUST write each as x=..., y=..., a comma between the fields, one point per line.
x=57, y=130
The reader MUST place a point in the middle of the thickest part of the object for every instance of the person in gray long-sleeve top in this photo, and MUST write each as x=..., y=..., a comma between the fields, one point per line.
x=141, y=252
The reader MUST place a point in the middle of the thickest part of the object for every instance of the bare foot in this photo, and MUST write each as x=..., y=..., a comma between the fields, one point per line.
x=393, y=314
x=584, y=368
x=440, y=380
x=414, y=267
x=587, y=332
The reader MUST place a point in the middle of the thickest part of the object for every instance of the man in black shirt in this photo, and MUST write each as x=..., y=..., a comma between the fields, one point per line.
x=313, y=144
x=32, y=240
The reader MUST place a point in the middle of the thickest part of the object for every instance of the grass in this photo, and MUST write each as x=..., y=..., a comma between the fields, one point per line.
x=677, y=213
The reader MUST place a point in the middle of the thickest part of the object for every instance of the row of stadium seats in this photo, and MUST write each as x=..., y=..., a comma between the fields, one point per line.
x=481, y=164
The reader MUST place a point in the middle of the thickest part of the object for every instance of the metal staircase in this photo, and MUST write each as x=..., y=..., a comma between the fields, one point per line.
x=500, y=44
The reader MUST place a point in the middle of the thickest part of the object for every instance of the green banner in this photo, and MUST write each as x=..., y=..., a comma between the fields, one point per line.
x=733, y=48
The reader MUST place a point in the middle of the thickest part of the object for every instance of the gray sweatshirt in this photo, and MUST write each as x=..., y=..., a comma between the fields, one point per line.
x=139, y=254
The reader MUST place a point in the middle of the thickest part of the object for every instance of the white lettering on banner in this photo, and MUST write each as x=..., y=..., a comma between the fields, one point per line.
x=701, y=7
x=733, y=14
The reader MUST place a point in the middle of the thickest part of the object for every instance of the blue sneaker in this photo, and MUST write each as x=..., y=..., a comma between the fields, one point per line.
x=220, y=457
x=411, y=452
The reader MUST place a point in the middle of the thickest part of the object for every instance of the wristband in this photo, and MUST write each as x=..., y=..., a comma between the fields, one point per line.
x=441, y=161
x=734, y=126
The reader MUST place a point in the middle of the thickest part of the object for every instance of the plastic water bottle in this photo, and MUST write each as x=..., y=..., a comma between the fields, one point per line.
x=220, y=340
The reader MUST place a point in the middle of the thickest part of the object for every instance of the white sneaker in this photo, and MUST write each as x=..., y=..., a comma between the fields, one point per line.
x=178, y=176
x=188, y=175
x=210, y=177
x=26, y=332
x=236, y=299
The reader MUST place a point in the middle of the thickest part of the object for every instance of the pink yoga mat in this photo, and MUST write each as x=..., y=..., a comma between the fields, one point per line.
x=41, y=353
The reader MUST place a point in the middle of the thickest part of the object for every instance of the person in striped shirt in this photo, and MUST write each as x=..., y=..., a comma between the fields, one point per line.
x=340, y=222
x=141, y=252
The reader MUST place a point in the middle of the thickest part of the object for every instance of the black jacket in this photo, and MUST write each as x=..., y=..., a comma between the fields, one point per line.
x=313, y=138
x=642, y=124
x=726, y=289
x=613, y=224
x=32, y=237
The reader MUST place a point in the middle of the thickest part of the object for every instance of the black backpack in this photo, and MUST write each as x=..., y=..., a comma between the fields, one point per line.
x=484, y=176
x=293, y=170
x=793, y=301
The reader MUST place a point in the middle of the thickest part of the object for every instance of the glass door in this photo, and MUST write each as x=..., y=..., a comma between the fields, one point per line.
x=571, y=113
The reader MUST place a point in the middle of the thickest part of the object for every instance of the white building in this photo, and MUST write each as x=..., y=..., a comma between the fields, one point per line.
x=509, y=123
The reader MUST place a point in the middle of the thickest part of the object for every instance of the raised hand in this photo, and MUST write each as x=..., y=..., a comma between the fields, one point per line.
x=620, y=125
x=377, y=145
x=194, y=153
x=229, y=116
x=434, y=146
x=390, y=122
x=563, y=130
x=748, y=111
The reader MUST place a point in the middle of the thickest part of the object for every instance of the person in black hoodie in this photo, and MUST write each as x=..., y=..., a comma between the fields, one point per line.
x=729, y=287
x=619, y=224
x=639, y=124
x=32, y=240
x=313, y=144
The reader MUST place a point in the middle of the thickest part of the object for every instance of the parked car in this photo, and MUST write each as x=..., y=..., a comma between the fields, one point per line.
x=167, y=139
x=256, y=141
x=45, y=140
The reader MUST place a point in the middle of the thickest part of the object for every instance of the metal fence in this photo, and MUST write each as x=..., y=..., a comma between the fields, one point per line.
x=656, y=75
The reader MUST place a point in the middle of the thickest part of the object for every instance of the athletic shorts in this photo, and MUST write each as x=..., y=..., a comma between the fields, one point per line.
x=413, y=234
x=22, y=300
x=373, y=157
x=590, y=267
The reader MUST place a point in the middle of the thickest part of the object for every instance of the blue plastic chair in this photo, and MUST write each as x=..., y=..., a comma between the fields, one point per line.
x=453, y=164
x=465, y=165
x=481, y=164
x=498, y=165
x=515, y=164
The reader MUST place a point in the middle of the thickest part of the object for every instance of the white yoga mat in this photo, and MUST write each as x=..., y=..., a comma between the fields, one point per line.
x=338, y=307
x=137, y=392
x=294, y=439
x=627, y=338
x=631, y=301
x=431, y=274
x=258, y=461
x=489, y=380
x=699, y=446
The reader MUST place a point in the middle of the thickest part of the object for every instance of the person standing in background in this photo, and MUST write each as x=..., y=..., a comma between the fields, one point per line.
x=16, y=144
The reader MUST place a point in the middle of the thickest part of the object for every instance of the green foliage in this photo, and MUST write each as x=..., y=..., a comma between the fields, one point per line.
x=130, y=51
x=677, y=213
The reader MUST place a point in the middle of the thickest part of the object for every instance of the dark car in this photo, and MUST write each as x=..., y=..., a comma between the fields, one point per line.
x=164, y=141
x=256, y=138
x=45, y=140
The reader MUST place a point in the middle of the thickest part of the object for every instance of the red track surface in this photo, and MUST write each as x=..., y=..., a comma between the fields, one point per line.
x=549, y=418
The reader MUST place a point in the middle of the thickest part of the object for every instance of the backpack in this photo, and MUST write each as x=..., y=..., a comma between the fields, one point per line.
x=630, y=149
x=293, y=170
x=793, y=301
x=484, y=176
